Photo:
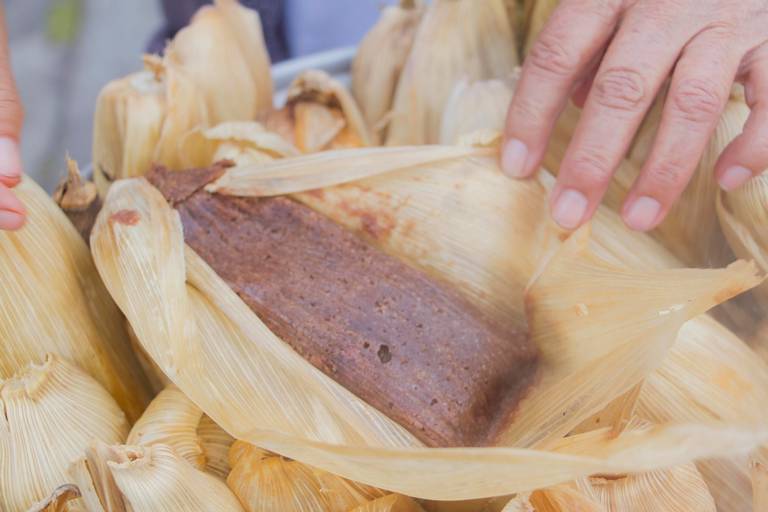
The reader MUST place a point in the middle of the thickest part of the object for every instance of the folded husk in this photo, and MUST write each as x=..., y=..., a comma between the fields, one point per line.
x=379, y=62
x=276, y=400
x=52, y=411
x=53, y=301
x=319, y=114
x=391, y=503
x=140, y=119
x=156, y=478
x=473, y=106
x=759, y=473
x=58, y=500
x=223, y=53
x=79, y=199
x=238, y=141
x=456, y=39
x=173, y=420
x=266, y=482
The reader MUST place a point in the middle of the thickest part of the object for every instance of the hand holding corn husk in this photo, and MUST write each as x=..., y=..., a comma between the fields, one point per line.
x=616, y=58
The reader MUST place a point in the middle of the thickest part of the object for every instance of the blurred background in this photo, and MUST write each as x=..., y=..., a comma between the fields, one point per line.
x=64, y=51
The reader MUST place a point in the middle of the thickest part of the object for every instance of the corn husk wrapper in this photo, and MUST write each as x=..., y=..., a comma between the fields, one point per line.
x=496, y=504
x=123, y=478
x=475, y=106
x=319, y=114
x=58, y=500
x=223, y=53
x=266, y=482
x=140, y=119
x=759, y=474
x=174, y=420
x=252, y=384
x=456, y=39
x=379, y=62
x=79, y=199
x=74, y=318
x=52, y=411
x=743, y=215
x=238, y=141
x=691, y=231
x=390, y=503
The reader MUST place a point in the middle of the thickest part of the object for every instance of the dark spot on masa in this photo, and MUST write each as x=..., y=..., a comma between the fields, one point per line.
x=384, y=354
x=126, y=217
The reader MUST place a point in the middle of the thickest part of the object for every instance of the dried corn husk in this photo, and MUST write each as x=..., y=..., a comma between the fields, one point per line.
x=173, y=420
x=52, y=411
x=743, y=215
x=223, y=53
x=456, y=39
x=379, y=62
x=473, y=106
x=391, y=503
x=537, y=14
x=140, y=119
x=199, y=326
x=78, y=199
x=132, y=479
x=57, y=501
x=238, y=141
x=759, y=473
x=266, y=482
x=53, y=301
x=319, y=114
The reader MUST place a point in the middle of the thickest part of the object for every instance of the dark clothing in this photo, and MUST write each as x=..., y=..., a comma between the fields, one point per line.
x=272, y=13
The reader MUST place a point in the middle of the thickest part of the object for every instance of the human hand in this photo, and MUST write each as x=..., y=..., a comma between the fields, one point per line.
x=12, y=212
x=612, y=57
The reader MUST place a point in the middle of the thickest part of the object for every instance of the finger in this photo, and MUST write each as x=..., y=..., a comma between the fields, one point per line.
x=575, y=33
x=12, y=212
x=11, y=116
x=747, y=155
x=581, y=92
x=638, y=60
x=697, y=96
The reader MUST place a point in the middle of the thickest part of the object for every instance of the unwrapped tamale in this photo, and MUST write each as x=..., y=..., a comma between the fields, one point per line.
x=404, y=342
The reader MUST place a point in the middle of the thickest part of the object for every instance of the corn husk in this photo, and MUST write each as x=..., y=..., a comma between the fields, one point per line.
x=743, y=215
x=194, y=327
x=391, y=503
x=475, y=106
x=173, y=420
x=223, y=53
x=53, y=301
x=537, y=13
x=79, y=199
x=132, y=479
x=457, y=39
x=759, y=473
x=52, y=411
x=238, y=141
x=140, y=119
x=379, y=62
x=266, y=482
x=319, y=114
x=58, y=500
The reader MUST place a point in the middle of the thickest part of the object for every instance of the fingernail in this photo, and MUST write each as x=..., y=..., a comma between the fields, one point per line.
x=513, y=158
x=734, y=177
x=642, y=213
x=570, y=208
x=10, y=219
x=10, y=159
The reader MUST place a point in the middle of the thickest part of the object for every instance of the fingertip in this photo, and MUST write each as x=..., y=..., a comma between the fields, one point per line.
x=569, y=208
x=11, y=220
x=514, y=158
x=10, y=162
x=642, y=214
x=734, y=177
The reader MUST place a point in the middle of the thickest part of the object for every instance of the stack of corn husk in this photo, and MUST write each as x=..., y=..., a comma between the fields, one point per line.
x=643, y=402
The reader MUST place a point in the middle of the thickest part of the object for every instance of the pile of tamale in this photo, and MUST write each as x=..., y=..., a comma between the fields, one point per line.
x=341, y=304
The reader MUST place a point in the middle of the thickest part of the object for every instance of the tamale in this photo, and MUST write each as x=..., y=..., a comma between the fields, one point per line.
x=402, y=341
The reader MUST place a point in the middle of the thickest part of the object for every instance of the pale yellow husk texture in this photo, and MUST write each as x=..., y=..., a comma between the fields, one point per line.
x=52, y=411
x=456, y=39
x=53, y=301
x=596, y=346
x=379, y=62
x=58, y=500
x=174, y=420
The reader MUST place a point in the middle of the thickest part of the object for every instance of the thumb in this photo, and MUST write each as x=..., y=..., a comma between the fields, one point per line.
x=11, y=115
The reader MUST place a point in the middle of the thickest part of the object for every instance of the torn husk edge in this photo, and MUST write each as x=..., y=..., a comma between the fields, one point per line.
x=325, y=426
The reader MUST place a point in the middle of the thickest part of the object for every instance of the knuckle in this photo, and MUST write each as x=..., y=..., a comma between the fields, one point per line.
x=668, y=175
x=697, y=101
x=591, y=167
x=620, y=89
x=11, y=112
x=524, y=108
x=550, y=56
